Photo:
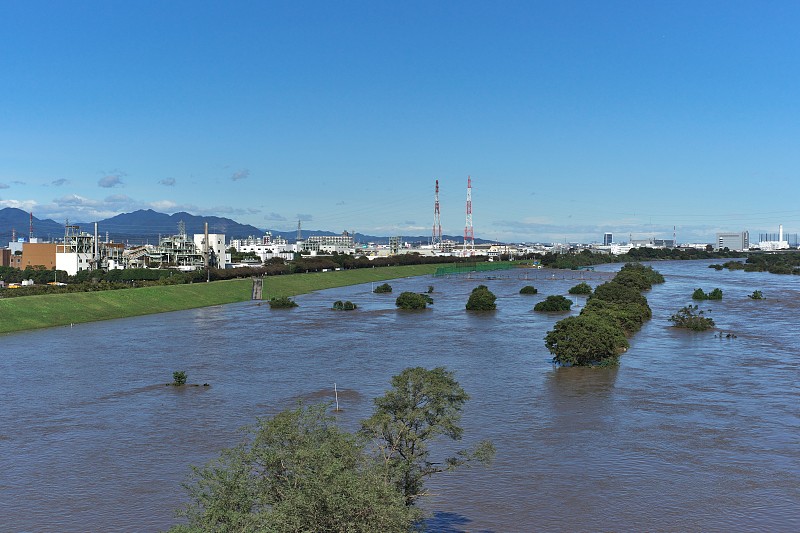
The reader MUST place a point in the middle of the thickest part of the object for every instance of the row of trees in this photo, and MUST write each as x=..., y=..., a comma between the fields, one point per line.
x=786, y=263
x=299, y=471
x=615, y=311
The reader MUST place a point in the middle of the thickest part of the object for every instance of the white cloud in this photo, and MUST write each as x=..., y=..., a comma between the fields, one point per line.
x=111, y=180
x=25, y=205
x=240, y=174
x=164, y=206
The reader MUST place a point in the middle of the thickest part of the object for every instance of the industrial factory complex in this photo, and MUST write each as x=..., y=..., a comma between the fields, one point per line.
x=80, y=250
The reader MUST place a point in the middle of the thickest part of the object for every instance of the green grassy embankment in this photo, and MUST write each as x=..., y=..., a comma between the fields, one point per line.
x=33, y=312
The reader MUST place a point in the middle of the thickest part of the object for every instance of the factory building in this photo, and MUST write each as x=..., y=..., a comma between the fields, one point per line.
x=736, y=242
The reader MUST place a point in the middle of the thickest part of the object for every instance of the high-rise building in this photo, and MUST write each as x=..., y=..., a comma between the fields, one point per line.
x=607, y=239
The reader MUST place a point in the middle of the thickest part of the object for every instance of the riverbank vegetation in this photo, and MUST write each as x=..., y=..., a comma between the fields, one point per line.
x=615, y=311
x=32, y=312
x=586, y=258
x=783, y=263
x=298, y=471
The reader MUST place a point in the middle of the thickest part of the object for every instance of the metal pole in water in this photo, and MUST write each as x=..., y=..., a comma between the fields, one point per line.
x=336, y=393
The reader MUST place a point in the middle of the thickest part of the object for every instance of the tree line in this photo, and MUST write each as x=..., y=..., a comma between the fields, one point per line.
x=613, y=313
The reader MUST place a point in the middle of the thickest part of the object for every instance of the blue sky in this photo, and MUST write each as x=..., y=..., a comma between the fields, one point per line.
x=573, y=118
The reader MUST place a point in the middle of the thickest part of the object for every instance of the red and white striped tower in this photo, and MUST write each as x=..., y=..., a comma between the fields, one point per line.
x=436, y=238
x=469, y=233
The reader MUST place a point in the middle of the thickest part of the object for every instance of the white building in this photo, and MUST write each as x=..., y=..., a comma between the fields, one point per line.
x=737, y=242
x=77, y=251
x=216, y=248
x=780, y=244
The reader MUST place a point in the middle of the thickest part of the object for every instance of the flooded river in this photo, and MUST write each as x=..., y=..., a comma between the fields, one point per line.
x=693, y=431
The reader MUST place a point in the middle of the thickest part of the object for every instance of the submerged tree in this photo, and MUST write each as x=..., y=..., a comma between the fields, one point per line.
x=691, y=318
x=421, y=406
x=586, y=339
x=581, y=288
x=553, y=304
x=481, y=299
x=383, y=289
x=296, y=471
x=412, y=300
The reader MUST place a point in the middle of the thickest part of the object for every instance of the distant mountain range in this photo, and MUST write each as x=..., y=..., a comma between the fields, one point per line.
x=146, y=226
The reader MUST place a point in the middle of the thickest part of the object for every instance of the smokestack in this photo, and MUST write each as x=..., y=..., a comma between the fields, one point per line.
x=205, y=246
x=780, y=232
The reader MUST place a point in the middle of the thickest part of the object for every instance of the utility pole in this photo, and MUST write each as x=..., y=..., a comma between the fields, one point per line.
x=469, y=232
x=436, y=238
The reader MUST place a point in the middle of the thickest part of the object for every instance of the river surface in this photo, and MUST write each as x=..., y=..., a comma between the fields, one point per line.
x=693, y=431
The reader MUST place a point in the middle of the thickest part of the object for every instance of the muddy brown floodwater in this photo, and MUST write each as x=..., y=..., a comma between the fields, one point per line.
x=693, y=432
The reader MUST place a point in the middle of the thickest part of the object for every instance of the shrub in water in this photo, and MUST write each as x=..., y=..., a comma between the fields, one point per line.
x=381, y=289
x=556, y=303
x=689, y=317
x=179, y=378
x=282, y=303
x=528, y=289
x=412, y=300
x=581, y=288
x=481, y=299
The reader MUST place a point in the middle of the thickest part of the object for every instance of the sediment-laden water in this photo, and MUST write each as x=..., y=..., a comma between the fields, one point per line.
x=692, y=432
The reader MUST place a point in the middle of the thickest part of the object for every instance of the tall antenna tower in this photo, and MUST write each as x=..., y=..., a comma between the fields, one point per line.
x=30, y=236
x=299, y=232
x=674, y=237
x=469, y=233
x=436, y=239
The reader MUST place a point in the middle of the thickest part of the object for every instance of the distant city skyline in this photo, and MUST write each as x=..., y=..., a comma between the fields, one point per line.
x=573, y=119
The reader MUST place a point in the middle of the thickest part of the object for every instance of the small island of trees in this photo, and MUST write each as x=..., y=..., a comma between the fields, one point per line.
x=412, y=300
x=528, y=289
x=554, y=304
x=699, y=294
x=581, y=288
x=383, y=289
x=481, y=299
x=339, y=305
x=757, y=295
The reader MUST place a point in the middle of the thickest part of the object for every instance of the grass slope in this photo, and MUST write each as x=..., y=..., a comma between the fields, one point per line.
x=32, y=312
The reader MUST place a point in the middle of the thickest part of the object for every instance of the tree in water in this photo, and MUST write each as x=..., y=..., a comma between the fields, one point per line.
x=421, y=406
x=296, y=471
